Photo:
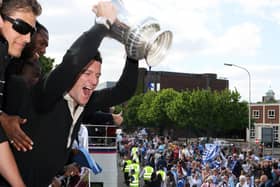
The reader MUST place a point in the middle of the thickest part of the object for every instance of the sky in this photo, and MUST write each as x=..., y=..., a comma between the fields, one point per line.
x=206, y=34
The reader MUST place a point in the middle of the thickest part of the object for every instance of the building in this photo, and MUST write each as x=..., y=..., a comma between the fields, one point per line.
x=265, y=115
x=156, y=80
x=269, y=97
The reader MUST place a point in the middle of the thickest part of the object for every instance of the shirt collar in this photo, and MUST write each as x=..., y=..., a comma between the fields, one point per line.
x=74, y=109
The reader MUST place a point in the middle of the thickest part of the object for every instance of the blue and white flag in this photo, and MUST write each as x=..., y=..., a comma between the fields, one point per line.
x=151, y=86
x=83, y=158
x=95, y=167
x=210, y=153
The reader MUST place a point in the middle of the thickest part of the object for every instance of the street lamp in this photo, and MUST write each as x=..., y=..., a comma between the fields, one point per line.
x=249, y=103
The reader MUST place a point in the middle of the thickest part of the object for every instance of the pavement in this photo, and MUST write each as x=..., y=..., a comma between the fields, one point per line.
x=120, y=176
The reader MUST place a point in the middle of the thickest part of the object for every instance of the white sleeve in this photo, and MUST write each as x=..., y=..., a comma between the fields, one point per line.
x=83, y=137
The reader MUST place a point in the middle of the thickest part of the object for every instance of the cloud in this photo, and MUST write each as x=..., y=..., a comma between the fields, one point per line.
x=239, y=40
x=276, y=16
x=263, y=77
x=264, y=9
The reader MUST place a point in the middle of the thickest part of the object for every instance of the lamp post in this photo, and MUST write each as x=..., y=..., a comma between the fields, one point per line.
x=249, y=103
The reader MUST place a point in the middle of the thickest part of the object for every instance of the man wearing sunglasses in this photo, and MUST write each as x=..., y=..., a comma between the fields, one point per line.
x=17, y=23
x=29, y=67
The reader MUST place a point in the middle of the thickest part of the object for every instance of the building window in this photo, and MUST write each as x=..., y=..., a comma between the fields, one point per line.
x=271, y=114
x=256, y=114
x=275, y=133
x=153, y=86
x=252, y=131
x=158, y=87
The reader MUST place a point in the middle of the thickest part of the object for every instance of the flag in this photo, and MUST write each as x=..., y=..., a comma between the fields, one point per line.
x=210, y=153
x=151, y=86
x=83, y=158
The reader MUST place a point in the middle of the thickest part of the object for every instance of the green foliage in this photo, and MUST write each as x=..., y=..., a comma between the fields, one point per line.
x=233, y=113
x=144, y=113
x=209, y=111
x=131, y=109
x=118, y=109
x=180, y=109
x=46, y=64
x=161, y=104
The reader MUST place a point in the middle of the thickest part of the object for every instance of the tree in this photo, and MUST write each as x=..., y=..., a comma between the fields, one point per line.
x=160, y=106
x=46, y=64
x=233, y=114
x=144, y=111
x=201, y=111
x=131, y=110
x=204, y=110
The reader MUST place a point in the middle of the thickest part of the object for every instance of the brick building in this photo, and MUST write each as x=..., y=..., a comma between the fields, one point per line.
x=156, y=80
x=265, y=115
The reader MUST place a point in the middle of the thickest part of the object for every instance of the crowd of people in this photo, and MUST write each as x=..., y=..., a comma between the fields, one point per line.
x=154, y=161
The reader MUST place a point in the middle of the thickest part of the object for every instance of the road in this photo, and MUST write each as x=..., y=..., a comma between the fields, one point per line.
x=120, y=177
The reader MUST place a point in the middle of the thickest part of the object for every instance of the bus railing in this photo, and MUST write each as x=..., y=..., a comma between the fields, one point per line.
x=101, y=136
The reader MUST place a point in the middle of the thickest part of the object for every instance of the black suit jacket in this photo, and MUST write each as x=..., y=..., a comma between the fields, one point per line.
x=49, y=118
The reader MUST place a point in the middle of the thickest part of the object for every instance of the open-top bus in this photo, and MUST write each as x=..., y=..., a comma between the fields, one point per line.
x=103, y=149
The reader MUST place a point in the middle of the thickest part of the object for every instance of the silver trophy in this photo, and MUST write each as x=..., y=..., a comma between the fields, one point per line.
x=143, y=40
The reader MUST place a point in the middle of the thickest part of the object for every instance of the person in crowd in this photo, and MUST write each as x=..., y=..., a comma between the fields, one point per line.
x=170, y=179
x=17, y=23
x=162, y=174
x=161, y=162
x=134, y=179
x=224, y=182
x=195, y=180
x=257, y=182
x=242, y=181
x=155, y=180
x=146, y=173
x=231, y=179
x=208, y=182
x=267, y=170
x=68, y=176
x=235, y=165
x=275, y=174
x=57, y=110
x=263, y=181
x=126, y=169
x=206, y=171
x=135, y=167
